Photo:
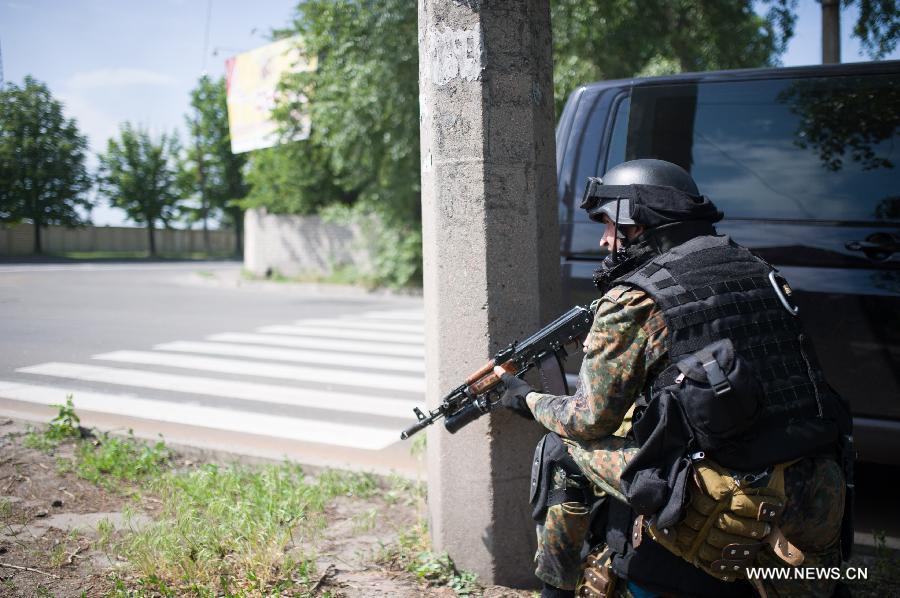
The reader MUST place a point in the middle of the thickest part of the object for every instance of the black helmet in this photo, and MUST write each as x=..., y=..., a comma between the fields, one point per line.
x=647, y=192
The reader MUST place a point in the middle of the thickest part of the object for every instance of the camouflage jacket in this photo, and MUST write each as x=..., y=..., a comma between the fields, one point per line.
x=626, y=347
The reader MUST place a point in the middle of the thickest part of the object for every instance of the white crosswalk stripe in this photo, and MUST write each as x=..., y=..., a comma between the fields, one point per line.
x=375, y=362
x=248, y=391
x=321, y=343
x=354, y=436
x=408, y=315
x=361, y=335
x=269, y=370
x=366, y=368
x=360, y=324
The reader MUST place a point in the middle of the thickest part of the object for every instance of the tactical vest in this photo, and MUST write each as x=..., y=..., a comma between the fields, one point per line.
x=708, y=289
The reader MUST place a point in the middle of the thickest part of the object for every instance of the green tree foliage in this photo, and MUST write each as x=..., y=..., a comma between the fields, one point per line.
x=139, y=175
x=211, y=172
x=612, y=39
x=878, y=26
x=43, y=177
x=363, y=150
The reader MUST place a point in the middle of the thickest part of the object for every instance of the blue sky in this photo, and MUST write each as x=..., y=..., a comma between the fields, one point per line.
x=112, y=61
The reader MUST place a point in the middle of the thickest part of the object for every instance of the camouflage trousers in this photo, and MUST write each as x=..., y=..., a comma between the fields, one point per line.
x=561, y=537
x=811, y=520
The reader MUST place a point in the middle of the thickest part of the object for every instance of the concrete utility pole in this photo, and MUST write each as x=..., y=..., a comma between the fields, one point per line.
x=491, y=256
x=831, y=31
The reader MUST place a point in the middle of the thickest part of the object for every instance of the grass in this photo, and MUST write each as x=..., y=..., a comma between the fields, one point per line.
x=228, y=530
x=139, y=255
x=412, y=552
x=344, y=274
x=883, y=570
x=65, y=426
x=109, y=460
x=224, y=530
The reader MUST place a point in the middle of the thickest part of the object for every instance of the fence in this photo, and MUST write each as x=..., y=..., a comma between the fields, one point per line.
x=19, y=240
x=299, y=245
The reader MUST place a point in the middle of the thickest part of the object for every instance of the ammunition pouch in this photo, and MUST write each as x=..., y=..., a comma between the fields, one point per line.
x=729, y=519
x=598, y=579
x=553, y=462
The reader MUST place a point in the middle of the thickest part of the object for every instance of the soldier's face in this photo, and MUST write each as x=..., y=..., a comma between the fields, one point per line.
x=609, y=233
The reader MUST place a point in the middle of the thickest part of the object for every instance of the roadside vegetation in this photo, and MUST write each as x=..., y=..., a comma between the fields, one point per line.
x=224, y=529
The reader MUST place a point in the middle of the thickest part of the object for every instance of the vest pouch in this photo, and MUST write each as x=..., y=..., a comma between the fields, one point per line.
x=719, y=394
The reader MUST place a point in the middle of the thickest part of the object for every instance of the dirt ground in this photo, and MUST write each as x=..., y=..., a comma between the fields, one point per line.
x=50, y=523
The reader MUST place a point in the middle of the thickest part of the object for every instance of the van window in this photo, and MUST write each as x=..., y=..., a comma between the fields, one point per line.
x=808, y=148
x=616, y=152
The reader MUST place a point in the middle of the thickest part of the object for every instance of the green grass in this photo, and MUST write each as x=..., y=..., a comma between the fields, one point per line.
x=110, y=460
x=65, y=426
x=412, y=552
x=344, y=274
x=139, y=255
x=883, y=570
x=224, y=530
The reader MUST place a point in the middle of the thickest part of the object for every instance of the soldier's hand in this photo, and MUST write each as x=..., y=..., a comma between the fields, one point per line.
x=514, y=390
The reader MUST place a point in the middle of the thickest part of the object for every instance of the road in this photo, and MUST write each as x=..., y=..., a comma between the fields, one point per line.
x=189, y=350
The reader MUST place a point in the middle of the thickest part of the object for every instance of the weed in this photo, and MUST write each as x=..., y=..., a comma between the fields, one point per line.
x=883, y=568
x=412, y=552
x=206, y=274
x=404, y=491
x=62, y=427
x=110, y=460
x=365, y=521
x=227, y=527
x=5, y=508
x=105, y=531
x=57, y=555
x=418, y=446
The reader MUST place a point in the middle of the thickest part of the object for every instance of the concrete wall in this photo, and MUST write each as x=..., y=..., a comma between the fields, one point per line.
x=19, y=240
x=296, y=245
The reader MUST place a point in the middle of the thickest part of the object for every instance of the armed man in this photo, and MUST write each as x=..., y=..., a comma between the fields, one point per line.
x=702, y=441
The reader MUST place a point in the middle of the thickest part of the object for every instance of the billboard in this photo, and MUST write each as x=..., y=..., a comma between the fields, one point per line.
x=252, y=81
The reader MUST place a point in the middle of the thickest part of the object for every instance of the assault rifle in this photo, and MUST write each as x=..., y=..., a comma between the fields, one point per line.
x=480, y=392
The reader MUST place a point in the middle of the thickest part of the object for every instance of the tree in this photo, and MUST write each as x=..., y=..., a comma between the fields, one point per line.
x=43, y=177
x=139, y=175
x=211, y=171
x=612, y=39
x=363, y=149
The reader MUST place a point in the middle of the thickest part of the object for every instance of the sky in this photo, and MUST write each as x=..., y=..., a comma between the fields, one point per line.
x=111, y=61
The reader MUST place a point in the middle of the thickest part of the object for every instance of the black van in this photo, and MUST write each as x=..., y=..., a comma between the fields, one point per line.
x=805, y=163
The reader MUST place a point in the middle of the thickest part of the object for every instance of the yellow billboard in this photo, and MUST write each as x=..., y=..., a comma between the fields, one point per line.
x=252, y=83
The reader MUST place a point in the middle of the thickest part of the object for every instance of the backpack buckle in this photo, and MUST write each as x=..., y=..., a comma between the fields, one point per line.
x=716, y=377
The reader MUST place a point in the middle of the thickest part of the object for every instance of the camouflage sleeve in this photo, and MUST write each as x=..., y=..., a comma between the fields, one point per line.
x=627, y=338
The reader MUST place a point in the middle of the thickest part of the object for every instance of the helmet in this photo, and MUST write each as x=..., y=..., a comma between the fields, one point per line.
x=633, y=188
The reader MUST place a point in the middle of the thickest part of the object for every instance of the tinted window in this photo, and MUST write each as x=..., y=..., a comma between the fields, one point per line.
x=616, y=153
x=811, y=149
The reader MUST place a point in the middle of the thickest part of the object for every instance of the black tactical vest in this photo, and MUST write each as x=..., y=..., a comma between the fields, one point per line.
x=710, y=288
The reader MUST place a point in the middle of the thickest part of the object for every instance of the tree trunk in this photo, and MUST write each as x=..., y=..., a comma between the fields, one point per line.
x=151, y=230
x=38, y=249
x=238, y=219
x=831, y=31
x=205, y=232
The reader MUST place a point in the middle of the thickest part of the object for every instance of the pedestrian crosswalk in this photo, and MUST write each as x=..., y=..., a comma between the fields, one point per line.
x=349, y=381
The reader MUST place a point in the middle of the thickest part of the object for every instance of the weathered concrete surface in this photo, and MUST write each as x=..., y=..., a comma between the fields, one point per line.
x=302, y=245
x=491, y=258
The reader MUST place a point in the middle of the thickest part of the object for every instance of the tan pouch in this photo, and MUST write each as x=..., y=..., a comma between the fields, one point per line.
x=727, y=522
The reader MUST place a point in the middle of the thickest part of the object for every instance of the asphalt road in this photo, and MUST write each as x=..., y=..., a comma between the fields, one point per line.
x=192, y=351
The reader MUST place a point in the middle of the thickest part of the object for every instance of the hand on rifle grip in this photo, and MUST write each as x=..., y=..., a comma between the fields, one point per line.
x=513, y=390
